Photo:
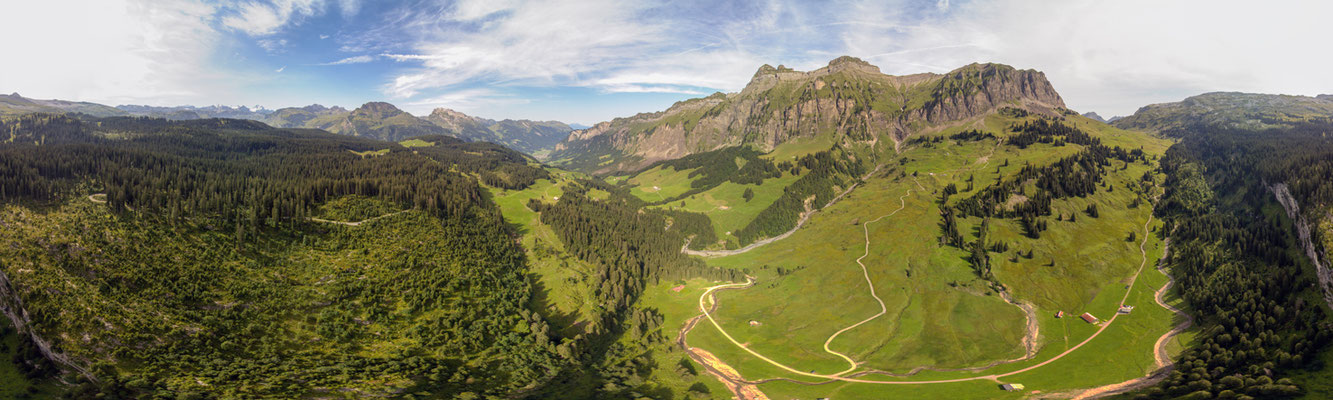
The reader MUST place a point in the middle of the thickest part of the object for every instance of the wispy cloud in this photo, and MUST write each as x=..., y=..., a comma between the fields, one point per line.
x=472, y=101
x=361, y=59
x=279, y=70
x=272, y=45
x=156, y=51
x=265, y=17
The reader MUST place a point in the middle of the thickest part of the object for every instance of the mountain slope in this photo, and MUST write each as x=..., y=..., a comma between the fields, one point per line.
x=847, y=101
x=297, y=117
x=13, y=104
x=191, y=112
x=532, y=137
x=375, y=120
x=1245, y=111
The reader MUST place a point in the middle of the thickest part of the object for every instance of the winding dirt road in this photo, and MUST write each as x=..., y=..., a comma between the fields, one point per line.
x=852, y=364
x=805, y=216
x=708, y=304
x=1160, y=354
x=357, y=223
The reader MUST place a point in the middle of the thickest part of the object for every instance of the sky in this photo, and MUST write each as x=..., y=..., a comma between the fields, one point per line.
x=586, y=61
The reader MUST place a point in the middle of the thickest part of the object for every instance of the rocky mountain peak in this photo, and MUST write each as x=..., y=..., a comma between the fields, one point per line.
x=849, y=97
x=378, y=109
x=446, y=113
x=1093, y=115
x=846, y=63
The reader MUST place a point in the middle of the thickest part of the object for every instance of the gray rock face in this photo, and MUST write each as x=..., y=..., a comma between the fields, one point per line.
x=849, y=97
x=11, y=305
x=1093, y=115
x=1322, y=269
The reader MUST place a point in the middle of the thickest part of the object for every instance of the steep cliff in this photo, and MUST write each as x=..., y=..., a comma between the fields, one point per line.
x=849, y=100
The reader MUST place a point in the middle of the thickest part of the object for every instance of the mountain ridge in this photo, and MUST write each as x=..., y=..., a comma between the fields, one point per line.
x=848, y=100
x=1237, y=110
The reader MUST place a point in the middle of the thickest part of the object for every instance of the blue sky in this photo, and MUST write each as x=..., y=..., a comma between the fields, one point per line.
x=592, y=60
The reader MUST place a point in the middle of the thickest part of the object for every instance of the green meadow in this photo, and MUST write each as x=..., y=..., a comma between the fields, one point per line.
x=939, y=314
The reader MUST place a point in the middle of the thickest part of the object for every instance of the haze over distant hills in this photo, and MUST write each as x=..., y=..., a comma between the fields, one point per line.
x=377, y=120
x=1248, y=111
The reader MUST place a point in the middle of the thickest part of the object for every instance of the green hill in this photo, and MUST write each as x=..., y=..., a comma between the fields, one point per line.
x=1247, y=111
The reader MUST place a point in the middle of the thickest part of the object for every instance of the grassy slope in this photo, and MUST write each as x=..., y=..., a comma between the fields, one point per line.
x=724, y=204
x=561, y=292
x=930, y=322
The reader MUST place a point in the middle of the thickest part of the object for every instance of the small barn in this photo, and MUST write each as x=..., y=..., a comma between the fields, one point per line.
x=1089, y=318
x=1124, y=309
x=1012, y=387
x=1059, y=314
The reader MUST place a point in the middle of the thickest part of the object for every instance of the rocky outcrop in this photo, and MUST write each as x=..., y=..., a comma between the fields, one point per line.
x=12, y=306
x=977, y=88
x=1317, y=258
x=849, y=97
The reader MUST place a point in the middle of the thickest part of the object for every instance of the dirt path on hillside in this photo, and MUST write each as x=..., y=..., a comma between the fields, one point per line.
x=805, y=216
x=711, y=301
x=357, y=223
x=852, y=364
x=1163, y=359
x=93, y=198
x=732, y=379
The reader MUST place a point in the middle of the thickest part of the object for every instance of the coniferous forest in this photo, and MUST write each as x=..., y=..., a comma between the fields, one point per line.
x=1238, y=261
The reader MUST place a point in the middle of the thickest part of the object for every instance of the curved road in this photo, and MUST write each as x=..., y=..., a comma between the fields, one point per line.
x=882, y=308
x=805, y=216
x=1162, y=358
x=357, y=223
x=708, y=296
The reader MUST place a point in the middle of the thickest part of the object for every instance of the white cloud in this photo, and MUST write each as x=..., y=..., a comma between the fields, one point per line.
x=279, y=70
x=539, y=43
x=475, y=101
x=1113, y=57
x=273, y=45
x=110, y=51
x=361, y=59
x=258, y=18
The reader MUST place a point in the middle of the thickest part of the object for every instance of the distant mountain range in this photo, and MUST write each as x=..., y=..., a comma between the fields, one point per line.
x=377, y=120
x=1244, y=111
x=847, y=101
x=533, y=137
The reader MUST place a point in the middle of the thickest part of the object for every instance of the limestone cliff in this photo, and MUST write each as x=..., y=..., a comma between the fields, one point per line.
x=849, y=100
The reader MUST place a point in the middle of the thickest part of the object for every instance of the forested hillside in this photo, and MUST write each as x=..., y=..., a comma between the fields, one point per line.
x=1258, y=284
x=213, y=257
